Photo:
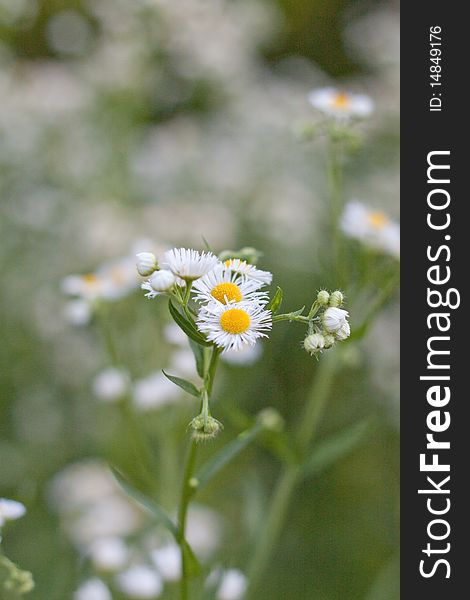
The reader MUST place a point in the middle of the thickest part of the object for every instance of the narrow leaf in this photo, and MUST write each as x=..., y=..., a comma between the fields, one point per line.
x=297, y=313
x=186, y=325
x=146, y=502
x=185, y=385
x=328, y=452
x=276, y=301
x=198, y=352
x=227, y=454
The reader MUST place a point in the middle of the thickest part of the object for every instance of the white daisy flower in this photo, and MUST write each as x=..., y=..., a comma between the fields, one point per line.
x=93, y=589
x=140, y=582
x=340, y=105
x=10, y=510
x=334, y=319
x=232, y=326
x=249, y=271
x=189, y=264
x=226, y=286
x=371, y=227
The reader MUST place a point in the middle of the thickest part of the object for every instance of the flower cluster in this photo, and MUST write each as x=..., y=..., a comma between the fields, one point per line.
x=231, y=306
x=330, y=323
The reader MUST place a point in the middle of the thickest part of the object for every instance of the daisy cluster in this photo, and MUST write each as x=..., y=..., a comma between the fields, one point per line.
x=231, y=304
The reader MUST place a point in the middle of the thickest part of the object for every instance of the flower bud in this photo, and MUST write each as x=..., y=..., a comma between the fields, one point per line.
x=314, y=343
x=329, y=340
x=146, y=263
x=323, y=297
x=205, y=428
x=162, y=281
x=343, y=332
x=334, y=318
x=336, y=299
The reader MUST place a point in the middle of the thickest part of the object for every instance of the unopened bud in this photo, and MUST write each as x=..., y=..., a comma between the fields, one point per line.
x=329, y=340
x=336, y=299
x=146, y=263
x=205, y=427
x=323, y=297
x=162, y=281
x=314, y=343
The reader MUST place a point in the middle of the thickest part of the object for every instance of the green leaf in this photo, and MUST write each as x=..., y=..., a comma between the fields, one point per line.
x=276, y=301
x=297, y=313
x=148, y=503
x=198, y=352
x=328, y=452
x=185, y=385
x=187, y=326
x=227, y=454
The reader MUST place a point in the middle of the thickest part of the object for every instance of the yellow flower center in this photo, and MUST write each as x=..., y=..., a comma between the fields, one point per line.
x=227, y=292
x=341, y=101
x=235, y=320
x=377, y=219
x=90, y=278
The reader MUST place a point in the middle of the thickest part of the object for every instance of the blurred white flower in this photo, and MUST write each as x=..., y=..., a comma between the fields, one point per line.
x=189, y=264
x=110, y=516
x=112, y=281
x=68, y=32
x=93, y=589
x=140, y=582
x=10, y=510
x=341, y=105
x=249, y=271
x=154, y=391
x=111, y=384
x=81, y=484
x=146, y=263
x=232, y=326
x=78, y=312
x=232, y=586
x=182, y=363
x=245, y=356
x=167, y=559
x=108, y=554
x=334, y=319
x=175, y=335
x=203, y=530
x=371, y=227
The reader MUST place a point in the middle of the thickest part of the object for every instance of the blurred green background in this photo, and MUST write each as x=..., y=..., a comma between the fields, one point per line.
x=123, y=120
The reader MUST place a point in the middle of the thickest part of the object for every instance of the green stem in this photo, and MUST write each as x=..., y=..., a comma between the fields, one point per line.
x=186, y=494
x=210, y=367
x=335, y=181
x=290, y=476
x=290, y=317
